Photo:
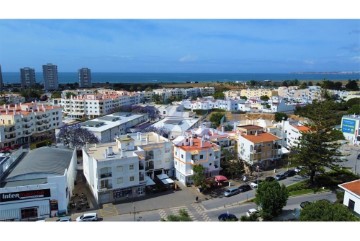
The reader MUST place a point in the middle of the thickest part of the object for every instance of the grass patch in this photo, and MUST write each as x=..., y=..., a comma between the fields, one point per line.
x=304, y=187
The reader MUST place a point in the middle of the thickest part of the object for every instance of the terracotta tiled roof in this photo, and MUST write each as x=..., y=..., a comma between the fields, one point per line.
x=353, y=187
x=302, y=128
x=197, y=146
x=250, y=127
x=261, y=137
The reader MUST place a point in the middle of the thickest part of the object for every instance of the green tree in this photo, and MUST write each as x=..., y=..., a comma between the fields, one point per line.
x=252, y=83
x=352, y=85
x=271, y=197
x=279, y=116
x=317, y=149
x=243, y=97
x=56, y=94
x=69, y=94
x=199, y=176
x=230, y=164
x=310, y=83
x=323, y=210
x=219, y=95
x=215, y=118
x=183, y=216
x=355, y=109
x=264, y=98
x=303, y=85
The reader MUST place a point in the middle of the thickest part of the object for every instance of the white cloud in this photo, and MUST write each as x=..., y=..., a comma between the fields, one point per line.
x=188, y=58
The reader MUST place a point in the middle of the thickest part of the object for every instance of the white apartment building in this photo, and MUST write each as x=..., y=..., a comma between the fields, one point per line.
x=293, y=132
x=118, y=170
x=20, y=121
x=293, y=93
x=13, y=98
x=177, y=125
x=184, y=92
x=100, y=102
x=109, y=127
x=257, y=147
x=209, y=103
x=250, y=93
x=190, y=151
x=37, y=184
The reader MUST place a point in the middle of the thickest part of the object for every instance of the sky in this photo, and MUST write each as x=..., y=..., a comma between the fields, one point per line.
x=181, y=45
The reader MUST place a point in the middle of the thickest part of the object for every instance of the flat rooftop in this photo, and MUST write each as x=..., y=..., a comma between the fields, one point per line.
x=44, y=160
x=109, y=121
x=99, y=151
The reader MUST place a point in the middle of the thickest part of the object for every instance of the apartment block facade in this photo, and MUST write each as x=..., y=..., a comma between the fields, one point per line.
x=27, y=77
x=20, y=121
x=84, y=78
x=50, y=73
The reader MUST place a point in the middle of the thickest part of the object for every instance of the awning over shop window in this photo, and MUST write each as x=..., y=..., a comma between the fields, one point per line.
x=149, y=181
x=284, y=150
x=165, y=179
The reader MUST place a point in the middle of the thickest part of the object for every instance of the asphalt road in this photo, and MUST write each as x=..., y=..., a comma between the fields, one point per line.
x=350, y=155
x=199, y=214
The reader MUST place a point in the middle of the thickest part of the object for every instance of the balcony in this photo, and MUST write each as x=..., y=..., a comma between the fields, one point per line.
x=39, y=123
x=141, y=177
x=27, y=126
x=141, y=166
x=149, y=166
x=26, y=120
x=39, y=117
x=104, y=188
x=106, y=175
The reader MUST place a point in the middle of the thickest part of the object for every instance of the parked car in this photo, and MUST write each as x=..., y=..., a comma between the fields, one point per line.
x=64, y=219
x=227, y=217
x=298, y=169
x=269, y=179
x=87, y=217
x=303, y=204
x=290, y=173
x=231, y=191
x=252, y=211
x=256, y=183
x=244, y=188
x=280, y=176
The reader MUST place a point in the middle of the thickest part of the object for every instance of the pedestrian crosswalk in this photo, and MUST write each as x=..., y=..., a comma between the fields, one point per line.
x=196, y=212
x=175, y=211
x=200, y=210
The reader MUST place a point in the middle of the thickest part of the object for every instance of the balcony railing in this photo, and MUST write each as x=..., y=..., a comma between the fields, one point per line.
x=149, y=166
x=105, y=175
x=141, y=167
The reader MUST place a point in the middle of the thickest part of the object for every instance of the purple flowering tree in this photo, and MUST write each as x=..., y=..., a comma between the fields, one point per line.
x=161, y=131
x=75, y=136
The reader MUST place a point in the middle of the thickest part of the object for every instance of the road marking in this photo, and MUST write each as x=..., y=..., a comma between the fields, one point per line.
x=162, y=214
x=200, y=210
x=175, y=211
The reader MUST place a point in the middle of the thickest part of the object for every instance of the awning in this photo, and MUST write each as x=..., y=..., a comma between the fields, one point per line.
x=165, y=179
x=220, y=178
x=284, y=150
x=149, y=181
x=162, y=176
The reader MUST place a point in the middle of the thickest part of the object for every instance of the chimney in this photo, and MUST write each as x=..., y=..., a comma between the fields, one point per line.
x=140, y=136
x=201, y=142
x=222, y=129
x=158, y=137
x=234, y=126
x=110, y=150
x=106, y=153
x=191, y=141
x=147, y=139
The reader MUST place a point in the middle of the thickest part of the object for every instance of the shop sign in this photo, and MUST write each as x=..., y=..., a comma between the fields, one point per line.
x=14, y=196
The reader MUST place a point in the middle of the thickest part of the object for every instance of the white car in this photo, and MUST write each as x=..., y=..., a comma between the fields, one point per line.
x=87, y=217
x=298, y=169
x=255, y=184
x=251, y=212
x=64, y=219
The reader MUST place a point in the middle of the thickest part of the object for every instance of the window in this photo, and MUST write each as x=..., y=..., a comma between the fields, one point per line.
x=201, y=157
x=131, y=167
x=120, y=180
x=132, y=178
x=182, y=156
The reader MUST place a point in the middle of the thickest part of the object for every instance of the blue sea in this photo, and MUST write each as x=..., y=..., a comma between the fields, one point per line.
x=99, y=77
